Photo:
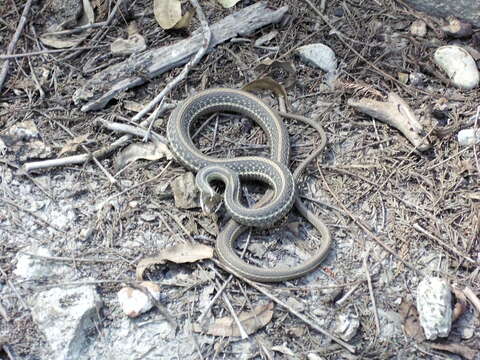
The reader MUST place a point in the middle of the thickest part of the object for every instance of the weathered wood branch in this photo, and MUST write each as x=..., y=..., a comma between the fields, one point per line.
x=395, y=112
x=135, y=70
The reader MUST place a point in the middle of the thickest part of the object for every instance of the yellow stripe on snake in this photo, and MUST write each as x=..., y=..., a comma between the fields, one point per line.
x=275, y=204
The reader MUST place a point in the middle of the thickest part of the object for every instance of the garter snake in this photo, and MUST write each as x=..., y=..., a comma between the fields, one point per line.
x=274, y=171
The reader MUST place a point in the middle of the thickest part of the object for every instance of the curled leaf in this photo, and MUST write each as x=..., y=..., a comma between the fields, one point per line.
x=183, y=253
x=250, y=320
x=67, y=41
x=267, y=83
x=147, y=151
x=167, y=12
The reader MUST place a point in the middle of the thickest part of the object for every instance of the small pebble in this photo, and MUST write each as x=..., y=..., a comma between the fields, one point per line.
x=134, y=302
x=418, y=28
x=459, y=66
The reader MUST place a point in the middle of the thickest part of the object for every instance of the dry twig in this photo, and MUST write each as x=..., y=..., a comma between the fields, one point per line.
x=11, y=46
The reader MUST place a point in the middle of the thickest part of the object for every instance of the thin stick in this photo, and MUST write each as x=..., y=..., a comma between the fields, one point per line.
x=163, y=310
x=363, y=226
x=444, y=244
x=80, y=159
x=372, y=296
x=207, y=34
x=289, y=308
x=472, y=297
x=11, y=46
x=50, y=51
x=99, y=164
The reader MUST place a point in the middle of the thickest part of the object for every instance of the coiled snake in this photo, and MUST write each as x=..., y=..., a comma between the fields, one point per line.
x=274, y=171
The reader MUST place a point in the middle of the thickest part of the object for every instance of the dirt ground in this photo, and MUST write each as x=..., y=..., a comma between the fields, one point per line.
x=400, y=213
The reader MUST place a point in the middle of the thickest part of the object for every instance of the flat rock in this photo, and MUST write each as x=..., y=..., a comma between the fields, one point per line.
x=65, y=316
x=318, y=55
x=434, y=305
x=459, y=66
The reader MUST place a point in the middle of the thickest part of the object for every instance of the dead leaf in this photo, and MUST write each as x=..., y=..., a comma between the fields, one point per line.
x=284, y=350
x=70, y=40
x=147, y=151
x=167, y=12
x=227, y=3
x=268, y=66
x=250, y=320
x=183, y=253
x=411, y=322
x=184, y=21
x=459, y=349
x=72, y=145
x=267, y=83
x=185, y=191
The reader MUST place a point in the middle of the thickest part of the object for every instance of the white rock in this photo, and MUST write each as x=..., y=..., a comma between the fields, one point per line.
x=65, y=316
x=459, y=66
x=418, y=28
x=318, y=55
x=35, y=268
x=134, y=302
x=468, y=137
x=434, y=305
x=346, y=326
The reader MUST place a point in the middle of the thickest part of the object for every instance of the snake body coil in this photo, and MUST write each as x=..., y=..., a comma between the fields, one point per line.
x=273, y=171
x=275, y=204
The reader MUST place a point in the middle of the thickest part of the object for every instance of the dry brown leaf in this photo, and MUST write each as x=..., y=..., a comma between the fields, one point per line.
x=167, y=12
x=184, y=21
x=268, y=65
x=459, y=349
x=227, y=3
x=250, y=320
x=72, y=145
x=267, y=83
x=411, y=322
x=147, y=151
x=183, y=253
x=71, y=40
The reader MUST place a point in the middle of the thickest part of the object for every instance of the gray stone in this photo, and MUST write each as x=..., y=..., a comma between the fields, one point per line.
x=464, y=9
x=65, y=316
x=346, y=326
x=318, y=55
x=434, y=305
x=459, y=66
